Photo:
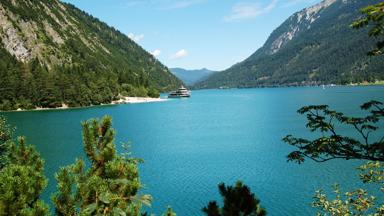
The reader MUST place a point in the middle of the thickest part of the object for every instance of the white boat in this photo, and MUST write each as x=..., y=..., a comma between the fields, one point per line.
x=182, y=92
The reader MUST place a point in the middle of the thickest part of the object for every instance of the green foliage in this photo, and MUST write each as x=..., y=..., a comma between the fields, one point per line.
x=108, y=187
x=212, y=209
x=169, y=212
x=332, y=144
x=325, y=51
x=153, y=93
x=132, y=91
x=22, y=181
x=372, y=172
x=6, y=132
x=238, y=201
x=351, y=203
x=373, y=17
x=357, y=202
x=89, y=68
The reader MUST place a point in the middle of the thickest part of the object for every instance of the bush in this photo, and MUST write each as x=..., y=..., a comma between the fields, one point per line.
x=153, y=93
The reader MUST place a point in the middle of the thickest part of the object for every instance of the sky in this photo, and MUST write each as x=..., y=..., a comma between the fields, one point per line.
x=195, y=34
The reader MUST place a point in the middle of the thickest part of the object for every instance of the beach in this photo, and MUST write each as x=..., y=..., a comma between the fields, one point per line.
x=128, y=100
x=122, y=100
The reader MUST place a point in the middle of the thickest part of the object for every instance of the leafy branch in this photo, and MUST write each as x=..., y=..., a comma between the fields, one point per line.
x=332, y=144
x=374, y=16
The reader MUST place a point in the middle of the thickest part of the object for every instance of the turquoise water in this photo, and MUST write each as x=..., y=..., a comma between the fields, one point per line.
x=191, y=145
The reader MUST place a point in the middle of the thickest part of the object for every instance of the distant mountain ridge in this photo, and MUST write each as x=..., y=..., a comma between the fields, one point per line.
x=314, y=46
x=191, y=77
x=53, y=53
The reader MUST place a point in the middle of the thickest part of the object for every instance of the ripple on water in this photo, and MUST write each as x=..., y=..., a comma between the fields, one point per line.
x=190, y=146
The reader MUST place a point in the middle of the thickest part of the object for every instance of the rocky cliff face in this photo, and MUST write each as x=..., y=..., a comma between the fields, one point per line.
x=25, y=36
x=10, y=38
x=299, y=22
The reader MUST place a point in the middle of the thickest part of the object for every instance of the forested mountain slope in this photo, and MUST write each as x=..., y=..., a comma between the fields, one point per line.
x=53, y=53
x=313, y=46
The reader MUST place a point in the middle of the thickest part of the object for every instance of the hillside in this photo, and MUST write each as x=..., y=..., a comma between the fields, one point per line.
x=191, y=77
x=313, y=46
x=52, y=53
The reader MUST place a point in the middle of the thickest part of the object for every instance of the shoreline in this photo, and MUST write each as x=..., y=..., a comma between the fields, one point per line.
x=381, y=83
x=123, y=100
x=134, y=100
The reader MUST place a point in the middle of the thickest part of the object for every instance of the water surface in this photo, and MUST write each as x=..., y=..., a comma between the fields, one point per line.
x=191, y=145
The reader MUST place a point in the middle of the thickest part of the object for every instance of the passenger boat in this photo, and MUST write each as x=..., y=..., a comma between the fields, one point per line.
x=182, y=92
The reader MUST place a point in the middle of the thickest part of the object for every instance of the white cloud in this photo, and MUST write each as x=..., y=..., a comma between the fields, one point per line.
x=181, y=4
x=249, y=10
x=156, y=52
x=294, y=2
x=134, y=3
x=136, y=38
x=164, y=4
x=179, y=54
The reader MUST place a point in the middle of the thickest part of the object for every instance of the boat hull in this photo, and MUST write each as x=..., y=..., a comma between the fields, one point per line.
x=179, y=96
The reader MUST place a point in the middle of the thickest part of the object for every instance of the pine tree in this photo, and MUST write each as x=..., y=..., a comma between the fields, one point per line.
x=169, y=212
x=238, y=201
x=109, y=186
x=22, y=181
x=6, y=132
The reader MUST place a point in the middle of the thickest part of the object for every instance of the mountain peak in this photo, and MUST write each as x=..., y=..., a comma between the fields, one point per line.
x=313, y=46
x=300, y=21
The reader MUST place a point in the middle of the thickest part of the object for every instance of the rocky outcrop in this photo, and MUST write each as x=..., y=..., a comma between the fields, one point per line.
x=300, y=21
x=27, y=39
x=11, y=39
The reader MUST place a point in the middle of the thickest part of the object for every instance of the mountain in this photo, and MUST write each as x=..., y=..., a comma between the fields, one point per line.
x=190, y=77
x=52, y=53
x=313, y=46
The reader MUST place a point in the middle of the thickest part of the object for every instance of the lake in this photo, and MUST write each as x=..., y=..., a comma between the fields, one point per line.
x=191, y=145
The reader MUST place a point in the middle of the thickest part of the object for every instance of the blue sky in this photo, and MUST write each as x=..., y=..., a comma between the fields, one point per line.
x=193, y=34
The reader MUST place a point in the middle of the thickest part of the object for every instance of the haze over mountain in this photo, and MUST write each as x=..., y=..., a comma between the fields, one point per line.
x=190, y=77
x=313, y=46
x=53, y=53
